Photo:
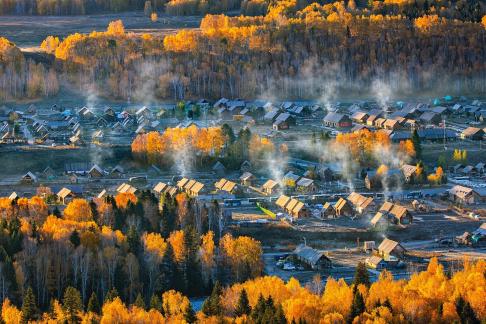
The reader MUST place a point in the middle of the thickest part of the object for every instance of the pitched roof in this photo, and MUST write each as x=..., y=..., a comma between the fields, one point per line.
x=220, y=184
x=189, y=184
x=334, y=117
x=246, y=176
x=386, y=207
x=387, y=246
x=160, y=187
x=304, y=182
x=181, y=183
x=340, y=203
x=408, y=170
x=291, y=204
x=198, y=186
x=282, y=201
x=126, y=188
x=270, y=184
x=310, y=255
x=375, y=260
x=460, y=191
x=376, y=218
x=229, y=186
x=470, y=131
x=64, y=192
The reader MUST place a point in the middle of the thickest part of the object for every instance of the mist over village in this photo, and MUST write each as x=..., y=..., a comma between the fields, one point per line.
x=243, y=161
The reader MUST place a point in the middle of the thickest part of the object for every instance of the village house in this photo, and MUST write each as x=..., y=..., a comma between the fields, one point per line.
x=96, y=172
x=328, y=211
x=389, y=249
x=306, y=185
x=227, y=186
x=362, y=205
x=117, y=171
x=28, y=178
x=473, y=133
x=409, y=173
x=430, y=118
x=270, y=187
x=65, y=195
x=196, y=189
x=359, y=117
x=313, y=258
x=219, y=168
x=391, y=124
x=463, y=195
x=337, y=120
x=126, y=188
x=160, y=188
x=375, y=262
x=390, y=213
x=375, y=180
x=297, y=209
x=247, y=179
x=182, y=183
x=343, y=208
x=282, y=201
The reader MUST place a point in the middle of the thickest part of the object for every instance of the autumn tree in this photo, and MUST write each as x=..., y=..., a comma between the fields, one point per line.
x=72, y=304
x=78, y=210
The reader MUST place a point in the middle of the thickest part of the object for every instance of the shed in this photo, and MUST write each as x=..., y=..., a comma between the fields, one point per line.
x=65, y=195
x=390, y=248
x=28, y=178
x=315, y=259
x=247, y=178
x=343, y=208
x=270, y=187
x=328, y=211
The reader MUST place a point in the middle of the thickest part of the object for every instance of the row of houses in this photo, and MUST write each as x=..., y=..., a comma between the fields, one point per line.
x=292, y=206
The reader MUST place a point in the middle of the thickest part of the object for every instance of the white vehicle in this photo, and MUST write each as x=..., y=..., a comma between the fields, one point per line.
x=288, y=266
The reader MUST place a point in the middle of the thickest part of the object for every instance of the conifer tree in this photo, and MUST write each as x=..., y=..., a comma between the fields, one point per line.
x=111, y=294
x=190, y=314
x=243, y=307
x=72, y=304
x=29, y=307
x=139, y=302
x=212, y=304
x=155, y=303
x=361, y=275
x=93, y=304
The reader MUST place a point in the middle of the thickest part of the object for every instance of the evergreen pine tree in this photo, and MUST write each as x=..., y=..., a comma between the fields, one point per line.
x=416, y=144
x=361, y=275
x=72, y=304
x=259, y=309
x=75, y=239
x=190, y=314
x=279, y=317
x=133, y=240
x=212, y=304
x=111, y=294
x=155, y=303
x=139, y=302
x=358, y=305
x=243, y=306
x=465, y=312
x=93, y=304
x=29, y=307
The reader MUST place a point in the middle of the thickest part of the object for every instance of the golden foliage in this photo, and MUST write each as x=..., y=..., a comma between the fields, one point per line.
x=10, y=313
x=78, y=210
x=176, y=240
x=123, y=198
x=58, y=228
x=155, y=245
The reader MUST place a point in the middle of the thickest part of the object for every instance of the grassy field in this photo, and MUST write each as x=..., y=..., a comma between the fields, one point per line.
x=29, y=31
